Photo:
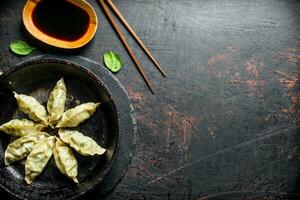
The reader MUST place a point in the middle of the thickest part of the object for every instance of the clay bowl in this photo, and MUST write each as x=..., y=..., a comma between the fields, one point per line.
x=37, y=78
x=45, y=37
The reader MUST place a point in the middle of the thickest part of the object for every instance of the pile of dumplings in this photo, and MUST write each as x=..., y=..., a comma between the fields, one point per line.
x=39, y=146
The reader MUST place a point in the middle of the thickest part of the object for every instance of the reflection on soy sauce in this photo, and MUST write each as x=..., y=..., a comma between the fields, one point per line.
x=61, y=19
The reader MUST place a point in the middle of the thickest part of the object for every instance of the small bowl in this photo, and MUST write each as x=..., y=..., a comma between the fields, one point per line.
x=57, y=42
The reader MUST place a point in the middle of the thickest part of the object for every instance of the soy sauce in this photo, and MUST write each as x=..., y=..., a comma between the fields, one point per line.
x=60, y=19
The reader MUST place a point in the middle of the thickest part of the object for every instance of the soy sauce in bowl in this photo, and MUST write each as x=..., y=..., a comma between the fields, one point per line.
x=60, y=19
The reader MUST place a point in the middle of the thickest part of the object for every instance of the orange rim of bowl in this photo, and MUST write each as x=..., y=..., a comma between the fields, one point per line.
x=38, y=34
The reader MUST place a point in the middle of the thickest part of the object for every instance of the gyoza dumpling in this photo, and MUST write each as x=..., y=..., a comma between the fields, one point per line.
x=65, y=160
x=56, y=102
x=21, y=127
x=32, y=108
x=38, y=158
x=20, y=148
x=74, y=116
x=84, y=145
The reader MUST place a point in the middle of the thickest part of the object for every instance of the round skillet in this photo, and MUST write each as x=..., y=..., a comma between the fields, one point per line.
x=37, y=78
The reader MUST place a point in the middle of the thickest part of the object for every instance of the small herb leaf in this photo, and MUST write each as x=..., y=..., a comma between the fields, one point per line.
x=112, y=61
x=20, y=47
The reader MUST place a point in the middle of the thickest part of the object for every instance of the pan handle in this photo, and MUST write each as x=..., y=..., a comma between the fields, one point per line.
x=3, y=72
x=4, y=85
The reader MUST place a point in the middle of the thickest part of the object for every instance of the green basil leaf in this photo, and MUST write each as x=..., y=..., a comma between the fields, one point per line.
x=112, y=61
x=20, y=47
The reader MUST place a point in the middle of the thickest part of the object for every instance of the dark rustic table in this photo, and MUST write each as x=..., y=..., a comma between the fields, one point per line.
x=224, y=124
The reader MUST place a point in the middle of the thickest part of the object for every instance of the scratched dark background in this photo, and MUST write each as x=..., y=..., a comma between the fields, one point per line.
x=224, y=124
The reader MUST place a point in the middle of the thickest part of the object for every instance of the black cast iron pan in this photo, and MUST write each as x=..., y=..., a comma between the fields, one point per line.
x=37, y=78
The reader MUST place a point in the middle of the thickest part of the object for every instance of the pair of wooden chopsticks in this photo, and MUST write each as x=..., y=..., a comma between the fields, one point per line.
x=125, y=43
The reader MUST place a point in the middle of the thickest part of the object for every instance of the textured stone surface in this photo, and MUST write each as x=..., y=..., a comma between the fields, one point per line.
x=224, y=124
